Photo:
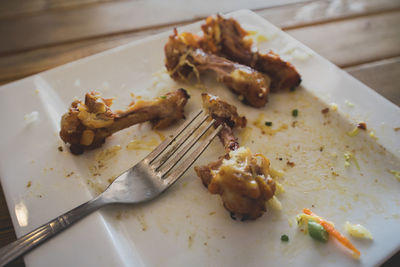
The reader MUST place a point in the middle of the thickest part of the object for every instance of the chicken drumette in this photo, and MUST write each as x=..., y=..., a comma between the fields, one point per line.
x=87, y=124
x=226, y=38
x=185, y=60
x=242, y=181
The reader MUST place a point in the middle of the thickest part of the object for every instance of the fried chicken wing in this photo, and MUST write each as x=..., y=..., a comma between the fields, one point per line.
x=225, y=37
x=242, y=181
x=185, y=60
x=87, y=124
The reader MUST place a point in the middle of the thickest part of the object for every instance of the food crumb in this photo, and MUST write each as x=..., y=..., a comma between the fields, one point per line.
x=290, y=163
x=60, y=148
x=211, y=213
x=396, y=129
x=349, y=156
x=284, y=238
x=353, y=132
x=142, y=222
x=190, y=240
x=69, y=174
x=325, y=110
x=357, y=230
x=29, y=184
x=362, y=126
x=372, y=135
x=31, y=117
x=348, y=103
x=111, y=179
x=321, y=149
x=334, y=106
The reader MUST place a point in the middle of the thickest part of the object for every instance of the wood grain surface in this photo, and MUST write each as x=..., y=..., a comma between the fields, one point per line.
x=360, y=36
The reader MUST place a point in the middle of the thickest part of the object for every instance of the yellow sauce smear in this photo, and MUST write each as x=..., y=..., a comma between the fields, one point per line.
x=260, y=124
x=142, y=144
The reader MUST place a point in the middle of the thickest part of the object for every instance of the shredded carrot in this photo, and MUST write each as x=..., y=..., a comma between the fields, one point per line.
x=335, y=233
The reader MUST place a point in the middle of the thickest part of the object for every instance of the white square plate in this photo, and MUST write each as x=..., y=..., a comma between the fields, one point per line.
x=188, y=225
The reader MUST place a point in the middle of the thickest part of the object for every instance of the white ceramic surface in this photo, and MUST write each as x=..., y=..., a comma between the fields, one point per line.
x=187, y=225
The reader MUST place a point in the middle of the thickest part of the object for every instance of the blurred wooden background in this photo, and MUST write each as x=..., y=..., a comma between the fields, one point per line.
x=360, y=36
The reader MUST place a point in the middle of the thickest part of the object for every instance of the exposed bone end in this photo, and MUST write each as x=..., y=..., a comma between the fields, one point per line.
x=171, y=109
x=221, y=111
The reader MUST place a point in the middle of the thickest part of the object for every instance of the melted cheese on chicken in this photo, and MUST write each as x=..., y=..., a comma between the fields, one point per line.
x=244, y=183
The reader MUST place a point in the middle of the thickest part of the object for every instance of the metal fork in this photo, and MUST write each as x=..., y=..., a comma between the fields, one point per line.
x=143, y=182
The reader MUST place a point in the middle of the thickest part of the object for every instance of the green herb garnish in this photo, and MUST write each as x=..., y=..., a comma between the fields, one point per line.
x=284, y=238
x=295, y=112
x=163, y=97
x=268, y=123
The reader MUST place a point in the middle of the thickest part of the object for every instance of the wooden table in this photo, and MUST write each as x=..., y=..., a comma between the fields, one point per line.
x=360, y=36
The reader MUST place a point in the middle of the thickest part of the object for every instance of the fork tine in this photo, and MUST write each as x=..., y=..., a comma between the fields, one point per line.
x=182, y=168
x=161, y=147
x=165, y=169
x=179, y=142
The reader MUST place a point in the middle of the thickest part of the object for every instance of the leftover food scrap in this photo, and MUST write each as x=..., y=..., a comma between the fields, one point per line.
x=87, y=124
x=320, y=229
x=224, y=49
x=356, y=130
x=357, y=230
x=241, y=178
x=225, y=37
x=183, y=60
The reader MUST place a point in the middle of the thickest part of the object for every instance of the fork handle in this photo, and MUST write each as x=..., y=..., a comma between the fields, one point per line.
x=43, y=233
